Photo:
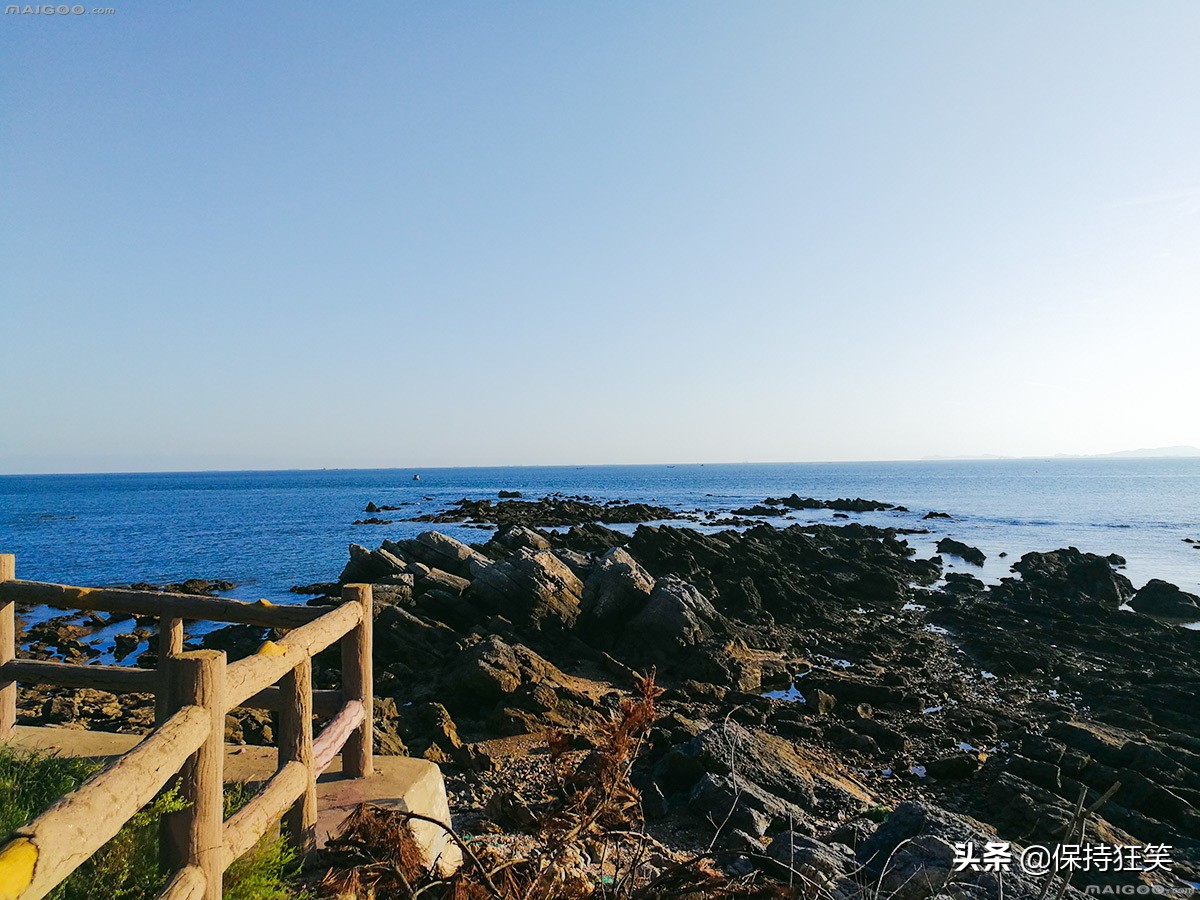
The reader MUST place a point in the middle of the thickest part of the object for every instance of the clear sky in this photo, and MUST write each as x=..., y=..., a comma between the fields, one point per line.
x=275, y=235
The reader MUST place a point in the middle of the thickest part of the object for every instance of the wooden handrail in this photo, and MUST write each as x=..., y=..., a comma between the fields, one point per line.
x=326, y=703
x=75, y=827
x=8, y=647
x=274, y=659
x=153, y=603
x=246, y=826
x=330, y=741
x=116, y=679
x=189, y=883
x=193, y=692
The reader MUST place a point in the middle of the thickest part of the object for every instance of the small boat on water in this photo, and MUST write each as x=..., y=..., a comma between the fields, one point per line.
x=416, y=478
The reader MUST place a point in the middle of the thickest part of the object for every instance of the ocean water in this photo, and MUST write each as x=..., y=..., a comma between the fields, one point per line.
x=267, y=531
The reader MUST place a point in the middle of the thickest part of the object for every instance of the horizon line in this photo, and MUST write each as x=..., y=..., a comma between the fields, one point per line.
x=1115, y=456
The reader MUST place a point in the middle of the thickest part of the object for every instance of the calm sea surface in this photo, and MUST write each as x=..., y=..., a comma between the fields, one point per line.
x=270, y=530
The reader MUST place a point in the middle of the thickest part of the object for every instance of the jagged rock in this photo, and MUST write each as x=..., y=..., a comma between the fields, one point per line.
x=674, y=618
x=730, y=801
x=366, y=566
x=590, y=538
x=548, y=511
x=531, y=588
x=409, y=643
x=437, y=579
x=858, y=504
x=617, y=588
x=911, y=856
x=430, y=732
x=198, y=586
x=440, y=551
x=770, y=763
x=1073, y=575
x=492, y=668
x=514, y=537
x=819, y=864
x=1164, y=600
x=397, y=591
x=963, y=583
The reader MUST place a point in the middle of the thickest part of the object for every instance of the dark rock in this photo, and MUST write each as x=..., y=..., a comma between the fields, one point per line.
x=1072, y=575
x=548, y=511
x=673, y=618
x=858, y=504
x=617, y=588
x=950, y=546
x=1164, y=600
x=960, y=765
x=237, y=641
x=202, y=587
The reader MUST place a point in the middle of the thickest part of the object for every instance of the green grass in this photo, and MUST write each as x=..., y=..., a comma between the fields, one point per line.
x=127, y=867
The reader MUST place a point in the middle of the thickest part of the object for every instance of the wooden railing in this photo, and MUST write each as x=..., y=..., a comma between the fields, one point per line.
x=193, y=692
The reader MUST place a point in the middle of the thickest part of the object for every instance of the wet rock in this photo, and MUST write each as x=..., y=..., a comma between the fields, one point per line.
x=1073, y=575
x=237, y=641
x=858, y=504
x=963, y=583
x=950, y=546
x=548, y=511
x=199, y=586
x=1163, y=600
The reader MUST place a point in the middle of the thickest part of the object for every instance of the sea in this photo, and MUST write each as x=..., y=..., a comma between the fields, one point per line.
x=269, y=530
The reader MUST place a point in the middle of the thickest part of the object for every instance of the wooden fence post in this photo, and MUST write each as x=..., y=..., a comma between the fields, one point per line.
x=201, y=682
x=296, y=745
x=8, y=650
x=357, y=683
x=170, y=645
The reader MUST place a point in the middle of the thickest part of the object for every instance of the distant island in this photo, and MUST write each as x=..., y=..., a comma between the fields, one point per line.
x=1179, y=451
x=1144, y=453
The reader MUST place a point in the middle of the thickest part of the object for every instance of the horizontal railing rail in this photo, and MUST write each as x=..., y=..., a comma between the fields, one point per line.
x=156, y=603
x=193, y=692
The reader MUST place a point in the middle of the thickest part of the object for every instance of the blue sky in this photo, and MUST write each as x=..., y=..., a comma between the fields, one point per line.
x=306, y=235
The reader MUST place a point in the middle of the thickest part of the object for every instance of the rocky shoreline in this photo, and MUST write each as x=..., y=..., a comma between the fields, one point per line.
x=834, y=704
